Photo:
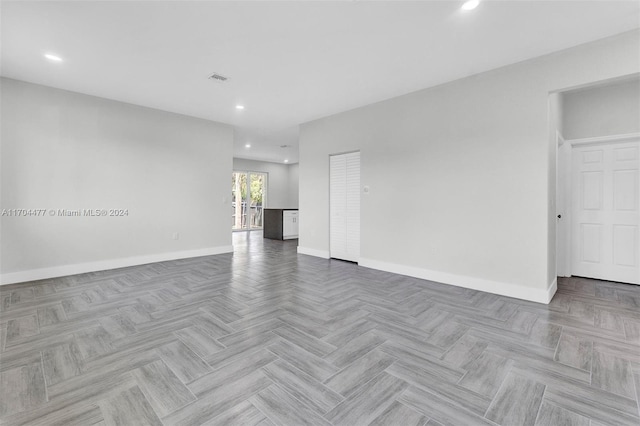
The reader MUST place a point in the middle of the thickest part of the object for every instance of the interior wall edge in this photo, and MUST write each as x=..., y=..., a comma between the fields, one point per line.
x=313, y=252
x=104, y=265
x=496, y=287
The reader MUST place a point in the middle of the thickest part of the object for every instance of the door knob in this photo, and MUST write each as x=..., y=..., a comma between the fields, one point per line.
x=559, y=216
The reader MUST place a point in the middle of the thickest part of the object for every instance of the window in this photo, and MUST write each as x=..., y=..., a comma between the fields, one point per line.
x=248, y=201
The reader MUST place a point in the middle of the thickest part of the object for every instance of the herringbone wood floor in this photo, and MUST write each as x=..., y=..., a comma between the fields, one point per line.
x=269, y=337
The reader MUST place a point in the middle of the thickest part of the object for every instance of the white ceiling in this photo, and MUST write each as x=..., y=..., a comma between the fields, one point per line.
x=287, y=62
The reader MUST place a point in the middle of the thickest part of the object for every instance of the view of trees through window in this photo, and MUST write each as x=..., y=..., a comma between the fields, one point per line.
x=248, y=200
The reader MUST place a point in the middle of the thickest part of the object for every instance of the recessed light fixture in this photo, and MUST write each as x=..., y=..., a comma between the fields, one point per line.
x=53, y=57
x=248, y=145
x=470, y=5
x=286, y=161
x=239, y=106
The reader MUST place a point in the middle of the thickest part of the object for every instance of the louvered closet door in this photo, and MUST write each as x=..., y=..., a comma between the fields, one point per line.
x=344, y=200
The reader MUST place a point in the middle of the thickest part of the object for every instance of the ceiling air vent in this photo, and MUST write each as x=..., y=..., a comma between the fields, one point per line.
x=218, y=77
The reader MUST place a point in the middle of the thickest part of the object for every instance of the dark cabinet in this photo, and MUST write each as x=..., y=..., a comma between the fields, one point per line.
x=280, y=224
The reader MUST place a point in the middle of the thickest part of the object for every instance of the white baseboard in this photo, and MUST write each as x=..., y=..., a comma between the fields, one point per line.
x=313, y=252
x=103, y=265
x=551, y=290
x=489, y=286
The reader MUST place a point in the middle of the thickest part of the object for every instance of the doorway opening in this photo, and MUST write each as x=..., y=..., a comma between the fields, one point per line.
x=248, y=199
x=598, y=182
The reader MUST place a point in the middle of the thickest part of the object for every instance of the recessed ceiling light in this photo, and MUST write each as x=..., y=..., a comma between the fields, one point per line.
x=286, y=161
x=52, y=57
x=239, y=106
x=248, y=145
x=470, y=5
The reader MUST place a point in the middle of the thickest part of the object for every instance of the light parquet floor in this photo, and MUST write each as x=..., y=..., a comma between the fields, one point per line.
x=266, y=336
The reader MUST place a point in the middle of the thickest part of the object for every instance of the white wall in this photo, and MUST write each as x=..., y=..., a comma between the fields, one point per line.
x=461, y=176
x=281, y=182
x=64, y=150
x=612, y=109
x=294, y=183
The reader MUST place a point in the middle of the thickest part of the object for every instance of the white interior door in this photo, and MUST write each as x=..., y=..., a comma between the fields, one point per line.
x=605, y=213
x=344, y=206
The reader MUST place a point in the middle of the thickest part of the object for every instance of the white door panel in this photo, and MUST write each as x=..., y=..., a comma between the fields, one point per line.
x=606, y=214
x=625, y=250
x=289, y=224
x=337, y=206
x=592, y=186
x=344, y=206
x=591, y=242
